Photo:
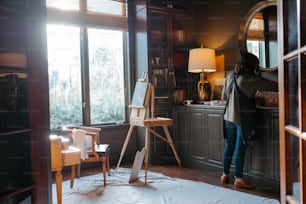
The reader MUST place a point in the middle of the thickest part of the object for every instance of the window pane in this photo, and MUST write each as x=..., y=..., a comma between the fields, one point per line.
x=64, y=75
x=290, y=26
x=257, y=47
x=107, y=7
x=106, y=76
x=64, y=4
x=293, y=92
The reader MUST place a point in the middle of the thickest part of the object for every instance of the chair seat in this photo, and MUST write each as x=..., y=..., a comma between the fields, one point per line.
x=102, y=149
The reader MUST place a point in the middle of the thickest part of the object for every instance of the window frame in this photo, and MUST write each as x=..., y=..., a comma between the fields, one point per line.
x=86, y=19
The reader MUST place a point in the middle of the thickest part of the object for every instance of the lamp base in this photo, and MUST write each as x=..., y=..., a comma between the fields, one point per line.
x=204, y=90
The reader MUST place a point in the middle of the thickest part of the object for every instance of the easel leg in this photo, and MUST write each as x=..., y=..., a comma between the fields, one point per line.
x=147, y=143
x=127, y=139
x=172, y=145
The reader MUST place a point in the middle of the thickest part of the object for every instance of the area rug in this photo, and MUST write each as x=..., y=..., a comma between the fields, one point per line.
x=160, y=189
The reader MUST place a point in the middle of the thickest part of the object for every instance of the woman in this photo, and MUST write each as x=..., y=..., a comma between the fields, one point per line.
x=241, y=84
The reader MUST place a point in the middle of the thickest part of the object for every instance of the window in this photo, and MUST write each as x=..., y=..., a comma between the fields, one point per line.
x=66, y=5
x=64, y=75
x=257, y=47
x=106, y=76
x=86, y=64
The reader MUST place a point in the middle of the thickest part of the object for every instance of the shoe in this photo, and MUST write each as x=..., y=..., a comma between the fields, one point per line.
x=224, y=179
x=240, y=183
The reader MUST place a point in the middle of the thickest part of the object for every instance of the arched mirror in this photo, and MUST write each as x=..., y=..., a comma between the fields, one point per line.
x=258, y=34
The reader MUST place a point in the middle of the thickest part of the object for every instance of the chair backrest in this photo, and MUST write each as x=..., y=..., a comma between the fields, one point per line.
x=68, y=129
x=94, y=133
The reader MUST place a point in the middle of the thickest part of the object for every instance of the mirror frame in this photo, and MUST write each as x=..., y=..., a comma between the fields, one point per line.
x=244, y=26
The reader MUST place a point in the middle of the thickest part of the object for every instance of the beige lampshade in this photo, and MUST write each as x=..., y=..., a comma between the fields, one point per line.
x=202, y=59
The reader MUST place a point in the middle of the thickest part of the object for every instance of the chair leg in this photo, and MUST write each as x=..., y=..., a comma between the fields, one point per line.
x=72, y=176
x=108, y=165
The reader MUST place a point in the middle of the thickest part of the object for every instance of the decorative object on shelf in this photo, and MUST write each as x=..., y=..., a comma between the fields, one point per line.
x=188, y=102
x=220, y=63
x=179, y=59
x=179, y=36
x=11, y=89
x=202, y=60
x=267, y=99
x=179, y=96
x=217, y=93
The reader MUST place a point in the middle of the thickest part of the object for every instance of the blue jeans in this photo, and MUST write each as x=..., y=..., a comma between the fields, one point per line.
x=234, y=145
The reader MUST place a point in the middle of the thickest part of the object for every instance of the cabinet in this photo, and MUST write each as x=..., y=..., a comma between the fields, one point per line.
x=198, y=130
x=168, y=54
x=15, y=138
x=262, y=156
x=162, y=36
x=199, y=135
x=24, y=119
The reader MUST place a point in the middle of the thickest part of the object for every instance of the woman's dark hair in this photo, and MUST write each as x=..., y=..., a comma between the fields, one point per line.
x=248, y=63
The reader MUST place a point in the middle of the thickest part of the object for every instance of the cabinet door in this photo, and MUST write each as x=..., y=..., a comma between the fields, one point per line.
x=159, y=51
x=181, y=30
x=160, y=70
x=215, y=138
x=197, y=148
x=261, y=155
x=275, y=142
x=180, y=132
x=161, y=152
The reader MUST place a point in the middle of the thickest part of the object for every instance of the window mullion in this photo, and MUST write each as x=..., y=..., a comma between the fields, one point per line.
x=85, y=76
x=83, y=6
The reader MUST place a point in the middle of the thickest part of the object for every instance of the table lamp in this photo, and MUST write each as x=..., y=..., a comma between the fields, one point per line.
x=202, y=60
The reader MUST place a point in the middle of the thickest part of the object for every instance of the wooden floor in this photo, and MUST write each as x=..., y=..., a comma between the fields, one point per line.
x=207, y=176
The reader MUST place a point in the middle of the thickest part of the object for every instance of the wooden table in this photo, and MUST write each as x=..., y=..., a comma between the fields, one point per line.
x=63, y=155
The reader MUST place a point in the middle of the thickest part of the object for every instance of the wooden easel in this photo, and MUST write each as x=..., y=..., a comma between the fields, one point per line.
x=142, y=99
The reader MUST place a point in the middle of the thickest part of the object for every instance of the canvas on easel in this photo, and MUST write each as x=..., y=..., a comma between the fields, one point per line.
x=140, y=94
x=141, y=100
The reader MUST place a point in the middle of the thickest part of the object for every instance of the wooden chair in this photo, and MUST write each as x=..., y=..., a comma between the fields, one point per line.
x=62, y=155
x=96, y=152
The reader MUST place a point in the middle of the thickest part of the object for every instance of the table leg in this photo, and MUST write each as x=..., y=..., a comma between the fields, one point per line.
x=127, y=139
x=58, y=181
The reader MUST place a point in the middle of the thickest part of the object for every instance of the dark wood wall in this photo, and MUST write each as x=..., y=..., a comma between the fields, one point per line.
x=23, y=24
x=217, y=26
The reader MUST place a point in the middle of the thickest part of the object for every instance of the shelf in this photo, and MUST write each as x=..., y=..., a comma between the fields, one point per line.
x=9, y=194
x=10, y=70
x=5, y=8
x=13, y=132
